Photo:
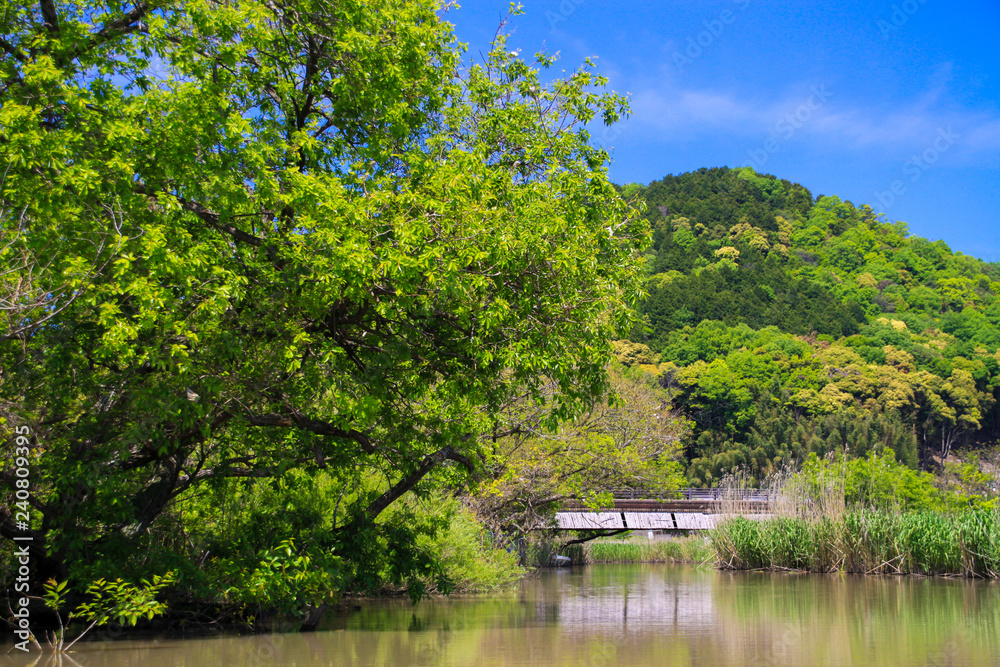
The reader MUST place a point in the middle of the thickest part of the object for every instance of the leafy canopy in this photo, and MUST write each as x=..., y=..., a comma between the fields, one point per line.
x=258, y=238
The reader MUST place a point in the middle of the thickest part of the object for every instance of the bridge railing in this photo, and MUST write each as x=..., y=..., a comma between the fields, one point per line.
x=691, y=493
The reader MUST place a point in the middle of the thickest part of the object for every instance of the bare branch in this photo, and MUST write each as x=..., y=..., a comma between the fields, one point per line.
x=594, y=536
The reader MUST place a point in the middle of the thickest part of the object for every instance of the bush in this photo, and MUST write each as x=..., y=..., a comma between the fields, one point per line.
x=471, y=559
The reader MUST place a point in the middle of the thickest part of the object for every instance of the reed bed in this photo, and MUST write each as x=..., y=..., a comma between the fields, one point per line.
x=867, y=541
x=691, y=549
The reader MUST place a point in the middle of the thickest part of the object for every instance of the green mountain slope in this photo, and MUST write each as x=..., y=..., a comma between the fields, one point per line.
x=787, y=325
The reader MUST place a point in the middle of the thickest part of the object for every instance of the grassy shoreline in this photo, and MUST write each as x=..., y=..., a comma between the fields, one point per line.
x=693, y=549
x=964, y=543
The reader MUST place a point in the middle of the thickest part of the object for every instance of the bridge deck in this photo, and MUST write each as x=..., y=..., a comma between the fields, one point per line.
x=646, y=514
x=707, y=506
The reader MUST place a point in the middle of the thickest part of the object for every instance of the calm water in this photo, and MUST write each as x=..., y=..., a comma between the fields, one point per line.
x=630, y=615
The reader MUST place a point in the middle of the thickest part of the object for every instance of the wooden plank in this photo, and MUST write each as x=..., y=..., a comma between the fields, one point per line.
x=695, y=520
x=649, y=520
x=589, y=520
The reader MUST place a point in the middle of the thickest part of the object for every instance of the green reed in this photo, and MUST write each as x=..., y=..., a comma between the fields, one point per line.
x=691, y=549
x=965, y=543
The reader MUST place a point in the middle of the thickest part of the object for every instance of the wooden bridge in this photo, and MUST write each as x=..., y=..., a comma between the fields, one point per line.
x=695, y=509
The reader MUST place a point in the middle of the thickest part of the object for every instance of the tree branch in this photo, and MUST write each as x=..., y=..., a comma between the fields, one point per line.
x=313, y=426
x=231, y=472
x=606, y=533
x=49, y=15
x=13, y=51
x=213, y=219
x=408, y=482
x=124, y=25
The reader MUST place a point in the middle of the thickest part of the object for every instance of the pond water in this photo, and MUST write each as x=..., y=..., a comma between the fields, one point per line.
x=628, y=615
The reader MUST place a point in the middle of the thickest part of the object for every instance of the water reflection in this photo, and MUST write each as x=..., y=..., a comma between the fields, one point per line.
x=633, y=615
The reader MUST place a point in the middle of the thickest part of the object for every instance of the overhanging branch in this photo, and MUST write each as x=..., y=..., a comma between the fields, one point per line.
x=313, y=426
x=126, y=24
x=597, y=534
x=408, y=482
x=211, y=218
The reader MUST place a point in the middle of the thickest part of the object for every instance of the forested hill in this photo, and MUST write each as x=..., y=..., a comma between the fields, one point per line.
x=788, y=324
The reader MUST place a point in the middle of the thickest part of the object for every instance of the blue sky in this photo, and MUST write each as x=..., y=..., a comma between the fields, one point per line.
x=891, y=103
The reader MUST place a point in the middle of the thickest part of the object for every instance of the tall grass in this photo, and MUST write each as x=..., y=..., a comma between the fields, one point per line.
x=689, y=549
x=692, y=549
x=867, y=541
x=863, y=516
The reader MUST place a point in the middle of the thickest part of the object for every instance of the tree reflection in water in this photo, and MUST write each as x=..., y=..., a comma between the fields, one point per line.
x=634, y=615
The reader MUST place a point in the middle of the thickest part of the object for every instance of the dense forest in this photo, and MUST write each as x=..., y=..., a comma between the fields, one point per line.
x=785, y=324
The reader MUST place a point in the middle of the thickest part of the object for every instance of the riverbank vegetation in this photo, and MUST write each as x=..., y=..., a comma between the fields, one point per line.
x=545, y=549
x=964, y=543
x=694, y=549
x=865, y=516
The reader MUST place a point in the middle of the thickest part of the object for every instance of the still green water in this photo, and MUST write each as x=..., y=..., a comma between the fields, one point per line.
x=630, y=615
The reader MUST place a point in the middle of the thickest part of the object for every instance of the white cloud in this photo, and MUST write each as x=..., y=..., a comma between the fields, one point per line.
x=840, y=122
x=670, y=109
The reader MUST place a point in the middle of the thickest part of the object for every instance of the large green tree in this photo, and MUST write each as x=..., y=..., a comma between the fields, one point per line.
x=258, y=237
